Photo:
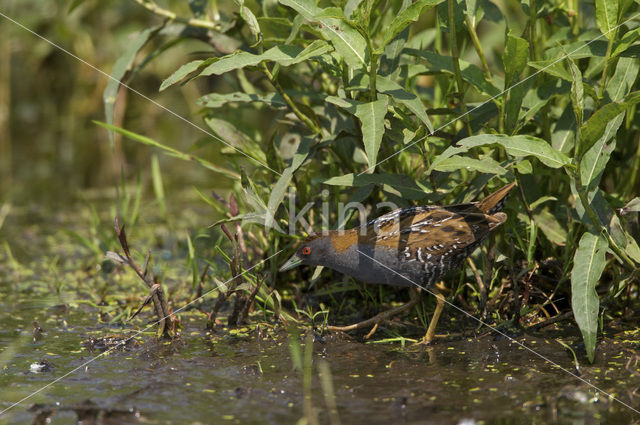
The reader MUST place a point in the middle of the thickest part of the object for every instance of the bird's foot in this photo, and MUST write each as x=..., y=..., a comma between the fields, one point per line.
x=429, y=339
x=377, y=319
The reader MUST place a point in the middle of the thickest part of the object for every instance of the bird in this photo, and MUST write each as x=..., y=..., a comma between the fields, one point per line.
x=410, y=247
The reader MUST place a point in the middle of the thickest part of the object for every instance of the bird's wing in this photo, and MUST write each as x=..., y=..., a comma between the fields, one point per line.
x=436, y=230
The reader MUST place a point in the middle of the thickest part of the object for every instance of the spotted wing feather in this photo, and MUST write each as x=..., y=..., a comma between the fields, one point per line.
x=436, y=232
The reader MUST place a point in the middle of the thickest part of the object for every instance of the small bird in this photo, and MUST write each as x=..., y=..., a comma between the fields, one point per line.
x=411, y=247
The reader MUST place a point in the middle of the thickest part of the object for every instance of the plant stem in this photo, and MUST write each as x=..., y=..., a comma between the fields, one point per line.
x=632, y=182
x=501, y=114
x=456, y=62
x=373, y=72
x=575, y=27
x=532, y=30
x=302, y=117
x=605, y=69
x=535, y=55
x=345, y=80
x=192, y=22
x=478, y=47
x=373, y=57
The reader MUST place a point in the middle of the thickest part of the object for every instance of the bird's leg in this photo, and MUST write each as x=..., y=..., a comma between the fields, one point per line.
x=431, y=331
x=379, y=318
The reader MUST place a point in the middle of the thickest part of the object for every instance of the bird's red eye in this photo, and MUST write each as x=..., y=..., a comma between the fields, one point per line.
x=306, y=250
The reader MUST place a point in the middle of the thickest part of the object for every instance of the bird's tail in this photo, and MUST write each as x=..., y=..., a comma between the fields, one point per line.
x=494, y=202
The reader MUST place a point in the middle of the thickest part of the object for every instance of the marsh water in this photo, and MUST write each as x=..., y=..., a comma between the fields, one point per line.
x=247, y=375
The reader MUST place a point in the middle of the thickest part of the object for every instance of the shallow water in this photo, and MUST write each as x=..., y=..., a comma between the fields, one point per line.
x=247, y=376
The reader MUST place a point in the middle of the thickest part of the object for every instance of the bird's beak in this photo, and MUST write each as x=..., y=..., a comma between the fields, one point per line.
x=292, y=262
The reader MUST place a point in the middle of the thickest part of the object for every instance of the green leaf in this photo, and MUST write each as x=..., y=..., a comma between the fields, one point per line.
x=605, y=215
x=275, y=28
x=390, y=60
x=577, y=91
x=306, y=8
x=410, y=100
x=520, y=146
x=218, y=100
x=251, y=195
x=588, y=264
x=593, y=129
x=456, y=163
x=552, y=67
x=459, y=16
x=371, y=116
x=184, y=71
x=344, y=102
x=280, y=187
x=470, y=73
x=514, y=106
x=563, y=135
x=347, y=41
x=541, y=200
x=403, y=19
x=587, y=47
x=236, y=139
x=169, y=150
x=628, y=39
x=448, y=153
x=527, y=110
x=247, y=15
x=552, y=229
x=594, y=161
x=471, y=9
x=595, y=126
x=400, y=185
x=607, y=16
x=632, y=249
x=120, y=69
x=273, y=100
x=298, y=21
x=623, y=79
x=350, y=7
x=515, y=56
x=283, y=55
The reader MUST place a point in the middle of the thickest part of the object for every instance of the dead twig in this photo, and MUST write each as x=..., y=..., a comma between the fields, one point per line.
x=548, y=322
x=236, y=280
x=156, y=293
x=249, y=302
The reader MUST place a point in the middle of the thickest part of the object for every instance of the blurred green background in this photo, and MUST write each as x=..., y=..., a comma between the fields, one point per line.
x=50, y=151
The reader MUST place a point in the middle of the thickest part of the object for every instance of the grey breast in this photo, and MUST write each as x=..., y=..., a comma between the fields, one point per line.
x=379, y=265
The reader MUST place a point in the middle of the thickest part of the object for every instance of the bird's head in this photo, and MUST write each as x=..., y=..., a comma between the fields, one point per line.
x=314, y=251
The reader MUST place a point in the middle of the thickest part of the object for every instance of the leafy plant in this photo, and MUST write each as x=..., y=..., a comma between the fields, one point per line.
x=400, y=101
